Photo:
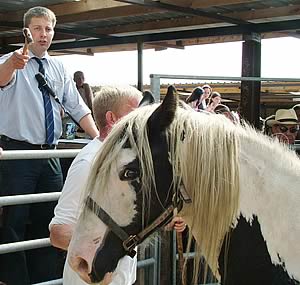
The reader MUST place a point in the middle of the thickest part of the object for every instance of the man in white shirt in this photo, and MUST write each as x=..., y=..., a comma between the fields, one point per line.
x=109, y=105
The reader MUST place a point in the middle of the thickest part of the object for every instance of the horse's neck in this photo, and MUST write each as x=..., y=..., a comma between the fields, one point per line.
x=270, y=190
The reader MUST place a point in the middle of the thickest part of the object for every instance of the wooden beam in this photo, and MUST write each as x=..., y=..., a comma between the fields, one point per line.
x=202, y=4
x=165, y=45
x=104, y=14
x=209, y=3
x=196, y=22
x=186, y=11
x=69, y=8
x=87, y=52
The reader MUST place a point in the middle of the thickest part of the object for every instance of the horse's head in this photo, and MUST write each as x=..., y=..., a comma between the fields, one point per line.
x=131, y=184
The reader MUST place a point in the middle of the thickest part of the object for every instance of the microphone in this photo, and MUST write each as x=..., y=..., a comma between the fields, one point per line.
x=43, y=84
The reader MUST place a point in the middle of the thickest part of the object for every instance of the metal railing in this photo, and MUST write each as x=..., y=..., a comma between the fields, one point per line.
x=155, y=80
x=49, y=197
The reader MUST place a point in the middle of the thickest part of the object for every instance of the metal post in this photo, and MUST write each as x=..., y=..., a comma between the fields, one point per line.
x=174, y=259
x=156, y=267
x=250, y=90
x=140, y=65
x=155, y=86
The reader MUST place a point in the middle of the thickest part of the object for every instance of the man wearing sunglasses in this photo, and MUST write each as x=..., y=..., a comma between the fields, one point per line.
x=284, y=125
x=296, y=108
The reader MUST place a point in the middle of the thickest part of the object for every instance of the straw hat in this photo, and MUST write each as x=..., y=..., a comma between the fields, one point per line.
x=284, y=117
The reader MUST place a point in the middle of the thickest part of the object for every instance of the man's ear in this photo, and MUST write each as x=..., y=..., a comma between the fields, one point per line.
x=111, y=118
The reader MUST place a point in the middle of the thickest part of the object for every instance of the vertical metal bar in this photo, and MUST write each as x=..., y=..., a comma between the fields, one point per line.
x=250, y=90
x=140, y=65
x=155, y=86
x=156, y=267
x=174, y=259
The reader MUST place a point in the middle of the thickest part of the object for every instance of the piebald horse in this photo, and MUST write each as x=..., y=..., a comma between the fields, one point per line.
x=237, y=190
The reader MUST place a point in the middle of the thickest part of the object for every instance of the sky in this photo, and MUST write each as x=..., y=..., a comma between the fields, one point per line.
x=280, y=59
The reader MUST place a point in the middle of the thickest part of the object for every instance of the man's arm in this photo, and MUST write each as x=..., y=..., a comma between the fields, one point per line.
x=88, y=125
x=67, y=209
x=89, y=95
x=60, y=235
x=7, y=69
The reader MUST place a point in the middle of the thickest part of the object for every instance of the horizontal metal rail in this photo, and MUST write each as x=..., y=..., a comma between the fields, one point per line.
x=224, y=78
x=24, y=245
x=29, y=198
x=146, y=262
x=37, y=198
x=52, y=282
x=38, y=154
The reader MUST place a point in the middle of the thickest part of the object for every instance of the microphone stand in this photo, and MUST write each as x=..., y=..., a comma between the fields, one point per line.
x=43, y=83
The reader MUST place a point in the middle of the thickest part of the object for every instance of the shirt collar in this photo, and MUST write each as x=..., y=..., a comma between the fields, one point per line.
x=46, y=56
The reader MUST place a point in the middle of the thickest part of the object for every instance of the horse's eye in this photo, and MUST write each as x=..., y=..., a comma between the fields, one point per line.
x=128, y=174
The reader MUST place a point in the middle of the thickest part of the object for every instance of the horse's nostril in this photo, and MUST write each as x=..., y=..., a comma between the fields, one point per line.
x=83, y=265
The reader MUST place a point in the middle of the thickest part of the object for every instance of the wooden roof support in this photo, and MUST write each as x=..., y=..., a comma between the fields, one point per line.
x=173, y=24
x=186, y=10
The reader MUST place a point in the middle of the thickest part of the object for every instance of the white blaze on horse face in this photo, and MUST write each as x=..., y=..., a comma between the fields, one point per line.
x=118, y=200
x=87, y=237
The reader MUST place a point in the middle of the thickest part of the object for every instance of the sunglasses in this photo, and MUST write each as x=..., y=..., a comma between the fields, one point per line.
x=284, y=129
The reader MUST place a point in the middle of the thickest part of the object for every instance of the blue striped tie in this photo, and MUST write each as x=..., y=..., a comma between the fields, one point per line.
x=49, y=120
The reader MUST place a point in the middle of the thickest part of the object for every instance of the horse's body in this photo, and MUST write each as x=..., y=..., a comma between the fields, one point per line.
x=238, y=181
x=263, y=244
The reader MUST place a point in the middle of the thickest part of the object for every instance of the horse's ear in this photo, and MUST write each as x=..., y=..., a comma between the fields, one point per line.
x=147, y=99
x=164, y=115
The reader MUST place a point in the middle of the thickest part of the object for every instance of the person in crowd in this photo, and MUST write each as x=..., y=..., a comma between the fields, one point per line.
x=284, y=125
x=223, y=109
x=195, y=98
x=30, y=120
x=110, y=104
x=296, y=108
x=83, y=88
x=214, y=101
x=207, y=91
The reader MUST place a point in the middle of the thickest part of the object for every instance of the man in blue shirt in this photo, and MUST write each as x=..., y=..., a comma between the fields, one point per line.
x=27, y=121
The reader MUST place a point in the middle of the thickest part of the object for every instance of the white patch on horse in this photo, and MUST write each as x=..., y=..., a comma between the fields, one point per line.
x=91, y=235
x=273, y=196
x=119, y=198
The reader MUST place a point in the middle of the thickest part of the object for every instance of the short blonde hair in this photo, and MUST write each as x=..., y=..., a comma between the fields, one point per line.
x=39, y=12
x=112, y=98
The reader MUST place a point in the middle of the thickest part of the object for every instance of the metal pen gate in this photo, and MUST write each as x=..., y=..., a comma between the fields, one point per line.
x=148, y=263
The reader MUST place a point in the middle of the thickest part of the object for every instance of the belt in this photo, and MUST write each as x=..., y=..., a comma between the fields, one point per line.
x=26, y=145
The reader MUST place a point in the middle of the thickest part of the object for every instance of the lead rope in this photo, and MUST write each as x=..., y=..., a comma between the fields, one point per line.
x=180, y=253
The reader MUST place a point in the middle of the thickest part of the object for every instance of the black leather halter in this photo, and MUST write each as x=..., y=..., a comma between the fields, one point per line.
x=131, y=241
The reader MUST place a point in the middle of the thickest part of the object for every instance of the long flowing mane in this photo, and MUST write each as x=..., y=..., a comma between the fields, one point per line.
x=205, y=152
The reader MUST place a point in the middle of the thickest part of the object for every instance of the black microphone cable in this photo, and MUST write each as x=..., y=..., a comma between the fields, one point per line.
x=43, y=83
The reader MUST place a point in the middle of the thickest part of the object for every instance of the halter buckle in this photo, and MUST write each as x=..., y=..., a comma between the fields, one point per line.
x=129, y=245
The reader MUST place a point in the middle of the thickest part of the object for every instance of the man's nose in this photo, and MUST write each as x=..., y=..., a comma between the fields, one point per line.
x=43, y=32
